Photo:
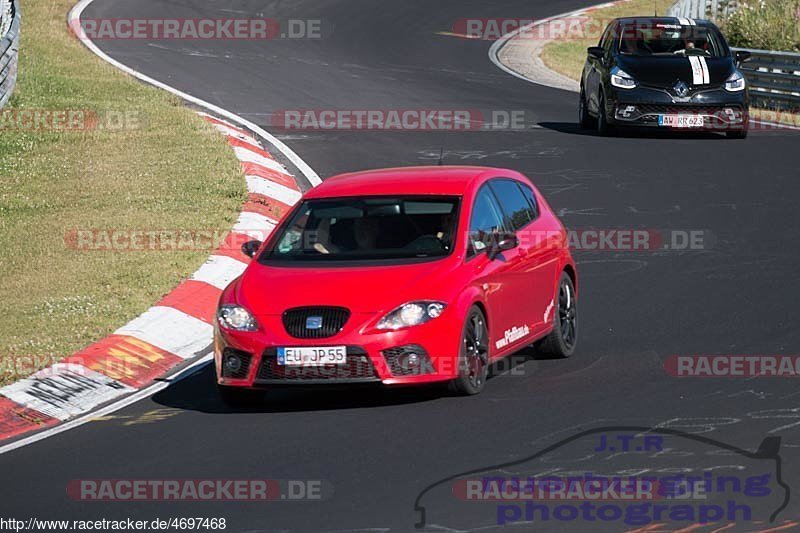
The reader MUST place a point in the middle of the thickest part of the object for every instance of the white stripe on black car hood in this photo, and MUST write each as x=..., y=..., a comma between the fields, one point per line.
x=704, y=68
x=697, y=70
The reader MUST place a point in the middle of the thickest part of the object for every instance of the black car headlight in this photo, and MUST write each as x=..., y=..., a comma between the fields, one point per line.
x=621, y=79
x=411, y=314
x=236, y=317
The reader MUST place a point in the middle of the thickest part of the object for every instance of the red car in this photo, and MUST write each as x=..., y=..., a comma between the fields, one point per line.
x=399, y=276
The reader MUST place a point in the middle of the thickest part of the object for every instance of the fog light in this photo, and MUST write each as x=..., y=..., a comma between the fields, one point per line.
x=411, y=361
x=732, y=115
x=627, y=111
x=233, y=363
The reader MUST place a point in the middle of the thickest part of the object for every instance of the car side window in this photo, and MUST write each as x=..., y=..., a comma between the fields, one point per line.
x=607, y=42
x=487, y=220
x=516, y=208
x=527, y=192
x=605, y=37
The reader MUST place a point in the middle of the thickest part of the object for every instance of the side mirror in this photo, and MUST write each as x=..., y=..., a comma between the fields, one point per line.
x=596, y=52
x=503, y=242
x=250, y=248
x=742, y=56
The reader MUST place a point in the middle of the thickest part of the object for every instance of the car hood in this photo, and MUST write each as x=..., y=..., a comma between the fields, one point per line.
x=666, y=71
x=271, y=290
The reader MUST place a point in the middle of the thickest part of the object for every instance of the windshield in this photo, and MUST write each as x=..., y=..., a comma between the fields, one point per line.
x=350, y=229
x=669, y=40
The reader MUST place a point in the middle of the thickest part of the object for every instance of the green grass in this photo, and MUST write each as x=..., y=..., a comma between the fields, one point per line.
x=566, y=57
x=167, y=170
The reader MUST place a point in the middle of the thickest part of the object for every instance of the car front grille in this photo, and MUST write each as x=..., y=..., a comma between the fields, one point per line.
x=315, y=322
x=358, y=368
x=667, y=109
x=650, y=112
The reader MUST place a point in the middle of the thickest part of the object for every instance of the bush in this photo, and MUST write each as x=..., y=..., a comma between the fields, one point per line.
x=765, y=24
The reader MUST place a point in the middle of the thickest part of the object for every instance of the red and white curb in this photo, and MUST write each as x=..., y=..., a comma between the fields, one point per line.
x=176, y=332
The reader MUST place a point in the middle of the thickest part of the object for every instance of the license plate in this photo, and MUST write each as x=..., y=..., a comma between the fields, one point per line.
x=681, y=121
x=312, y=356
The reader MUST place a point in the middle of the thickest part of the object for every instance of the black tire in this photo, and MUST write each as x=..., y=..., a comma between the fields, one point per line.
x=238, y=397
x=584, y=118
x=739, y=134
x=561, y=342
x=473, y=357
x=604, y=129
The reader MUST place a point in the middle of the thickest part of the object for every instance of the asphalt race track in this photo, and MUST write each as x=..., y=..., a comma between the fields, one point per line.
x=378, y=450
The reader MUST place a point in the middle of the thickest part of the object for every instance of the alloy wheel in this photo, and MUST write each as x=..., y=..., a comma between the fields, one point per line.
x=567, y=314
x=476, y=350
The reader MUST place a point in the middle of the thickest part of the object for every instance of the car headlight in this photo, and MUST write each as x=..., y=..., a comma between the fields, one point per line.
x=411, y=314
x=621, y=79
x=236, y=317
x=735, y=82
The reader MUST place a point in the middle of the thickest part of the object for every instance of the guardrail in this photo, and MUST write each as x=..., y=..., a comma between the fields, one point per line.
x=774, y=78
x=9, y=47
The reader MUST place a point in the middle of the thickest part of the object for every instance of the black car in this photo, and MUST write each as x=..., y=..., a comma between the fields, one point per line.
x=664, y=72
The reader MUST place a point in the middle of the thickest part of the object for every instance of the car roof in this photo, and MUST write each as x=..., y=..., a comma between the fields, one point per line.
x=439, y=180
x=660, y=20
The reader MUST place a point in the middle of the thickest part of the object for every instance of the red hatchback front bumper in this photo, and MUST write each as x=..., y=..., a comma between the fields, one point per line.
x=421, y=354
